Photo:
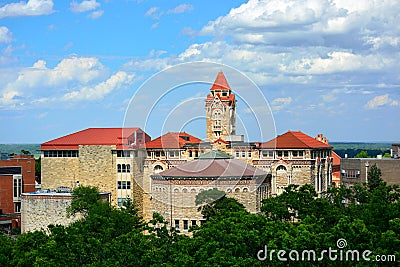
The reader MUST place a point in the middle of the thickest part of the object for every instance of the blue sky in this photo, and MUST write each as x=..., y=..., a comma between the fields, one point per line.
x=323, y=66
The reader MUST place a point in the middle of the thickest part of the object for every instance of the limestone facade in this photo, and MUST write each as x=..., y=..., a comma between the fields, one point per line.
x=39, y=210
x=174, y=198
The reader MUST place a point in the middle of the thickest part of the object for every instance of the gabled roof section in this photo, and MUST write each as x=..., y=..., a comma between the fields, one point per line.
x=295, y=140
x=336, y=158
x=220, y=82
x=120, y=137
x=172, y=140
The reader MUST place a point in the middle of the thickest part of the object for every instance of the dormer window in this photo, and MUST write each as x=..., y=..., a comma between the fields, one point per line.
x=224, y=93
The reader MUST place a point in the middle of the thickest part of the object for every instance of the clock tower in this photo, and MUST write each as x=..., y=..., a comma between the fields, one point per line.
x=220, y=110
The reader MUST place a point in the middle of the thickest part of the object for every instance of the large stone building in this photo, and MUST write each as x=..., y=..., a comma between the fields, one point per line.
x=121, y=161
x=101, y=157
x=174, y=190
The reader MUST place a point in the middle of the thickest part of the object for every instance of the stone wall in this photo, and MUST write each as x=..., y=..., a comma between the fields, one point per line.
x=97, y=168
x=39, y=211
x=178, y=196
x=59, y=172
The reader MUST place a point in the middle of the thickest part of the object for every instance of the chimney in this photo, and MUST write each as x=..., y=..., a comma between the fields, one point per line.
x=322, y=138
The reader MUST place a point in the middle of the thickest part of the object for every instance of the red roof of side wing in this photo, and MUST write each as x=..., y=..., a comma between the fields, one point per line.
x=172, y=140
x=220, y=82
x=95, y=136
x=294, y=140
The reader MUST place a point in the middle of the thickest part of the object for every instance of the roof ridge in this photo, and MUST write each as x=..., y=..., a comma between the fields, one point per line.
x=299, y=138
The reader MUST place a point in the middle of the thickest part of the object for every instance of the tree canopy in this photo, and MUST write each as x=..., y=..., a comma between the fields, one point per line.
x=366, y=217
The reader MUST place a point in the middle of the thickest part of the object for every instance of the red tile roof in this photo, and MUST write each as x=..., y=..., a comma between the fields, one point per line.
x=294, y=140
x=213, y=168
x=172, y=140
x=220, y=82
x=96, y=136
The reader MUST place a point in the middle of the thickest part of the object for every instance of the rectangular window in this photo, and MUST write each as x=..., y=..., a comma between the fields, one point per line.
x=177, y=224
x=17, y=207
x=249, y=154
x=17, y=188
x=267, y=153
x=124, y=184
x=123, y=154
x=286, y=154
x=60, y=154
x=294, y=153
x=243, y=154
x=280, y=154
x=158, y=154
x=202, y=222
x=121, y=201
x=172, y=154
x=237, y=154
x=194, y=222
x=185, y=224
x=351, y=173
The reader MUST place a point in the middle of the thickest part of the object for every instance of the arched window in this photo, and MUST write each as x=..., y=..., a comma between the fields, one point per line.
x=123, y=168
x=281, y=168
x=119, y=168
x=158, y=169
x=128, y=168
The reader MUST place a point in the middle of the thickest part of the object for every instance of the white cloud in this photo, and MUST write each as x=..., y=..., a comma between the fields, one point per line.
x=84, y=6
x=100, y=90
x=78, y=77
x=279, y=103
x=5, y=35
x=300, y=22
x=96, y=14
x=30, y=8
x=180, y=9
x=154, y=13
x=379, y=101
x=337, y=62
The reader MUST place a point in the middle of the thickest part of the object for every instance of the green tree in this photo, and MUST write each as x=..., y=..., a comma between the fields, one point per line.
x=214, y=202
x=83, y=199
x=6, y=246
x=362, y=154
x=374, y=177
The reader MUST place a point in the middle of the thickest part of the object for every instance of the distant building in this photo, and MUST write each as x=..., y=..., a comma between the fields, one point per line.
x=355, y=170
x=17, y=175
x=45, y=207
x=174, y=191
x=395, y=151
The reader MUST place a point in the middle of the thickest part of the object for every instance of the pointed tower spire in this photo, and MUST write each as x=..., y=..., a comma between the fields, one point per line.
x=220, y=83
